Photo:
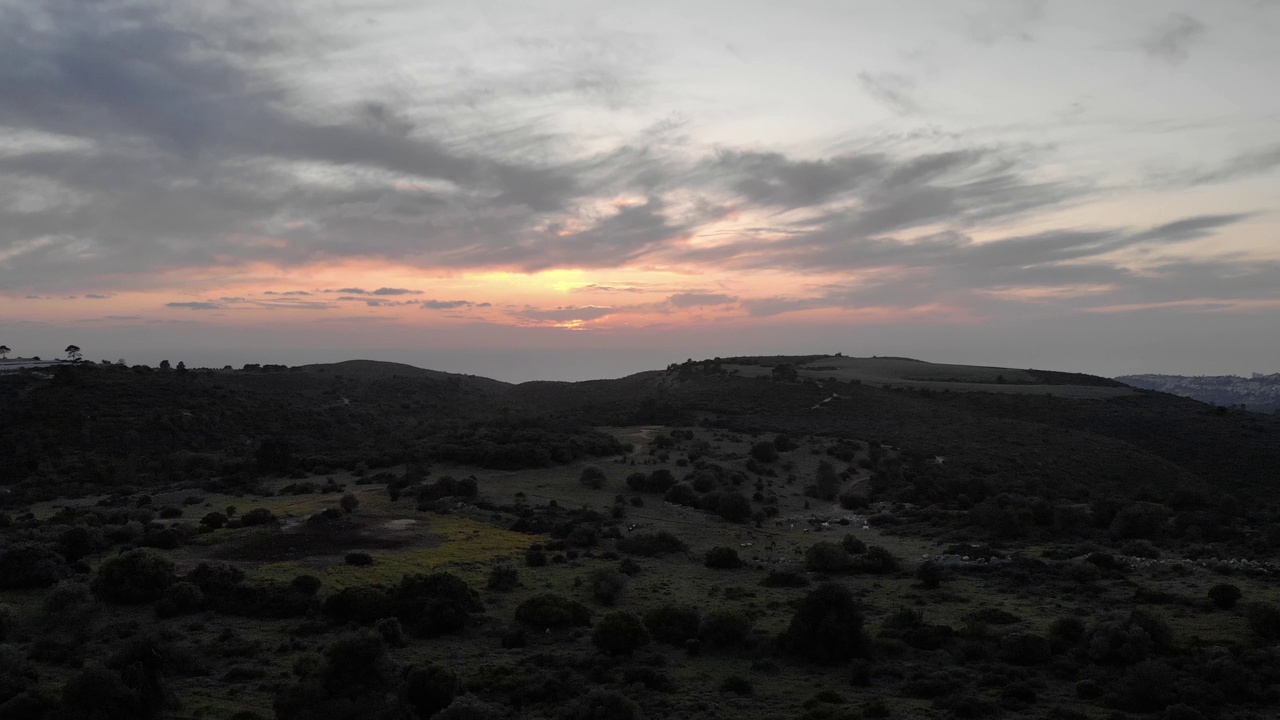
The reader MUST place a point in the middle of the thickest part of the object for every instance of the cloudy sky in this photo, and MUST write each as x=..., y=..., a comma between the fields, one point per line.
x=580, y=189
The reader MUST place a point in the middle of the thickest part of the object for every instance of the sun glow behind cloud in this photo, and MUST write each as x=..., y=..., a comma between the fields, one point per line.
x=281, y=167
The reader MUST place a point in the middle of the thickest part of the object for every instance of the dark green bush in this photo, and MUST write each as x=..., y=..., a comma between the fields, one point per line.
x=738, y=685
x=606, y=585
x=672, y=624
x=431, y=689
x=620, y=633
x=1224, y=595
x=722, y=558
x=764, y=451
x=827, y=626
x=733, y=506
x=1025, y=648
x=503, y=578
x=359, y=559
x=1264, y=620
x=257, y=516
x=929, y=573
x=137, y=576
x=552, y=611
x=651, y=544
x=593, y=477
x=785, y=578
x=30, y=565
x=726, y=627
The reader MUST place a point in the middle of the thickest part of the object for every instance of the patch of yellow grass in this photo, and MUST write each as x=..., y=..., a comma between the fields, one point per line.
x=465, y=547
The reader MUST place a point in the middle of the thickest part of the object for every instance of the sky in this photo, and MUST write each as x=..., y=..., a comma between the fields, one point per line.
x=570, y=190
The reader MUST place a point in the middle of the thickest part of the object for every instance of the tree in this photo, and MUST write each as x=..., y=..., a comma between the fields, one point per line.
x=785, y=372
x=73, y=352
x=164, y=364
x=349, y=503
x=828, y=480
x=4, y=351
x=592, y=477
x=827, y=627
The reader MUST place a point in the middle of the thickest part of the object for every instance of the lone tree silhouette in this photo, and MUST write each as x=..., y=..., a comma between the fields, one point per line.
x=73, y=352
x=4, y=352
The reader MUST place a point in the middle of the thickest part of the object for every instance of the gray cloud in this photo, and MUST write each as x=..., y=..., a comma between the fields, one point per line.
x=567, y=314
x=451, y=304
x=1171, y=41
x=697, y=299
x=195, y=305
x=893, y=89
x=94, y=296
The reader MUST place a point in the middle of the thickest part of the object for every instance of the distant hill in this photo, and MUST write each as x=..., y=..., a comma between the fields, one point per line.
x=1260, y=392
x=922, y=375
x=379, y=370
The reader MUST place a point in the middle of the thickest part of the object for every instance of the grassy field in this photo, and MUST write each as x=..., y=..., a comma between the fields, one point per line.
x=470, y=541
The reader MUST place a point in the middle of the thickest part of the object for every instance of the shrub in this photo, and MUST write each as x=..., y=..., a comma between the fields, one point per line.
x=30, y=565
x=359, y=559
x=137, y=576
x=552, y=611
x=651, y=544
x=436, y=604
x=535, y=558
x=764, y=451
x=827, y=557
x=391, y=631
x=305, y=584
x=79, y=541
x=214, y=520
x=600, y=704
x=722, y=558
x=738, y=685
x=606, y=585
x=361, y=604
x=1147, y=687
x=503, y=578
x=1224, y=595
x=257, y=516
x=216, y=579
x=431, y=689
x=349, y=503
x=672, y=624
x=1142, y=520
x=683, y=494
x=1264, y=620
x=16, y=674
x=827, y=626
x=179, y=598
x=724, y=628
x=1065, y=632
x=734, y=507
x=853, y=545
x=929, y=573
x=620, y=633
x=593, y=477
x=854, y=501
x=355, y=678
x=1025, y=648
x=785, y=578
x=102, y=694
x=1140, y=548
x=875, y=560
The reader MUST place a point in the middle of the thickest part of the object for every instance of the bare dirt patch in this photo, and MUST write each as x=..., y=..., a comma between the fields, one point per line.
x=318, y=537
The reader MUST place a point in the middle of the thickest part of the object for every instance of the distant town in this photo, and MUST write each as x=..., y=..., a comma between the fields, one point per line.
x=1258, y=392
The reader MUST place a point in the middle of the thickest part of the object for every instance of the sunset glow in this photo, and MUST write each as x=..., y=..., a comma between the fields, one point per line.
x=456, y=178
